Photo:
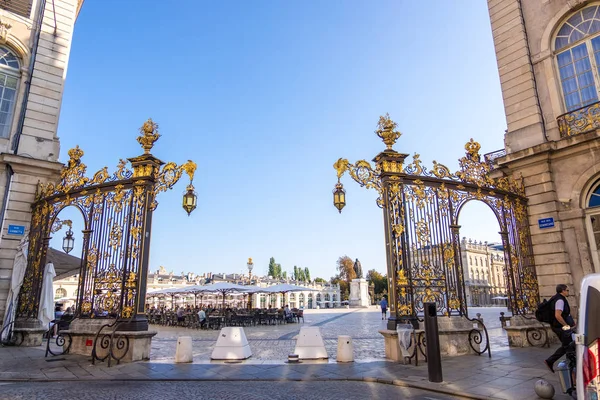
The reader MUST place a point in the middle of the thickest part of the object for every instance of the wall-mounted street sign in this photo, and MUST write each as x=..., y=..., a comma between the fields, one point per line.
x=546, y=223
x=16, y=229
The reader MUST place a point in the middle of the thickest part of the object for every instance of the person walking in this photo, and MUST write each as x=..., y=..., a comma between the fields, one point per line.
x=562, y=324
x=384, y=304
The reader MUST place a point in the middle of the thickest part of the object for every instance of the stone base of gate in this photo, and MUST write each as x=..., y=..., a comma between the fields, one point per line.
x=453, y=333
x=29, y=332
x=32, y=337
x=527, y=332
x=83, y=332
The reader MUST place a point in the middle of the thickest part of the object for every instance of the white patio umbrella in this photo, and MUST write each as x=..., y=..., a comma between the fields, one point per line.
x=18, y=273
x=224, y=288
x=46, y=312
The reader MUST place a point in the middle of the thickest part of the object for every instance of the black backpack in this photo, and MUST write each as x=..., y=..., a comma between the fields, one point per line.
x=545, y=311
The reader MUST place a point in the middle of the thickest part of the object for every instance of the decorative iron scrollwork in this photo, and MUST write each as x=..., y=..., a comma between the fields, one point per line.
x=115, y=209
x=421, y=209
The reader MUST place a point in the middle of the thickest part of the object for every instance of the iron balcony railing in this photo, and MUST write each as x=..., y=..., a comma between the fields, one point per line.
x=581, y=120
x=491, y=157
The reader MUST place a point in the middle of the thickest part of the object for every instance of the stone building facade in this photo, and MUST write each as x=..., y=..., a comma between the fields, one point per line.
x=326, y=295
x=549, y=66
x=484, y=273
x=35, y=42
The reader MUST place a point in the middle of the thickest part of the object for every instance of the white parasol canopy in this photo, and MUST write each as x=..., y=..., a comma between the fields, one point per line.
x=224, y=288
x=287, y=287
x=18, y=273
x=46, y=312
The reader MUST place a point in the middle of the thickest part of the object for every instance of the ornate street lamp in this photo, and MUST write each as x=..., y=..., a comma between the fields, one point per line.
x=339, y=196
x=68, y=241
x=250, y=265
x=189, y=199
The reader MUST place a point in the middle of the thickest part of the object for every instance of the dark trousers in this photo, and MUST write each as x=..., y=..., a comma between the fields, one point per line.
x=565, y=339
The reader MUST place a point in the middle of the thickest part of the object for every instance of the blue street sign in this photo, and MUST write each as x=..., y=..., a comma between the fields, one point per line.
x=546, y=223
x=16, y=230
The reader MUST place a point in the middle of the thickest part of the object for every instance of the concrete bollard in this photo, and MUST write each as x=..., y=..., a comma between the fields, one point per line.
x=345, y=349
x=310, y=345
x=183, y=353
x=232, y=344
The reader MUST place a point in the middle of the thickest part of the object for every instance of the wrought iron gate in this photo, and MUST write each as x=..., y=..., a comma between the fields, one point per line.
x=421, y=209
x=117, y=213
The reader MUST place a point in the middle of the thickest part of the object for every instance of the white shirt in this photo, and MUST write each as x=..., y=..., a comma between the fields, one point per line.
x=559, y=305
x=201, y=315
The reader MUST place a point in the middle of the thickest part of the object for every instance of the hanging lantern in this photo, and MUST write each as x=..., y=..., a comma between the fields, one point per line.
x=68, y=241
x=339, y=196
x=189, y=199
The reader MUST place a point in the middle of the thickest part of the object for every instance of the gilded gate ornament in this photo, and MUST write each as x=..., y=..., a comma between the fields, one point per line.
x=421, y=209
x=116, y=208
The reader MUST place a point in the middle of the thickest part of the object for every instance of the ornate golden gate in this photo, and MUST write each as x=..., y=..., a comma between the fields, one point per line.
x=117, y=213
x=421, y=209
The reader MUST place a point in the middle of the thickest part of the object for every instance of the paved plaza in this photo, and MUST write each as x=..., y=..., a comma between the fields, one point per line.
x=509, y=374
x=275, y=342
x=332, y=390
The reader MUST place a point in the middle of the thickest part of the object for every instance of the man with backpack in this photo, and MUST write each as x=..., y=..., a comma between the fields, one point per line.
x=562, y=324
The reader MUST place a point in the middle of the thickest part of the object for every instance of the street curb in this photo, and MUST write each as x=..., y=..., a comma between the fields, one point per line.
x=395, y=382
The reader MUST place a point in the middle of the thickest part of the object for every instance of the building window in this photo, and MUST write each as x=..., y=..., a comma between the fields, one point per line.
x=9, y=78
x=577, y=45
x=60, y=293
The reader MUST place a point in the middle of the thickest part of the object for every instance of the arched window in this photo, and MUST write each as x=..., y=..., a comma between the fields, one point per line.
x=476, y=262
x=60, y=293
x=577, y=45
x=593, y=215
x=9, y=78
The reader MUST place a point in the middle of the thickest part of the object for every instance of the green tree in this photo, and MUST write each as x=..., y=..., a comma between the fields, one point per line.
x=284, y=275
x=306, y=274
x=272, y=267
x=344, y=287
x=278, y=272
x=379, y=281
x=345, y=267
x=320, y=280
x=295, y=276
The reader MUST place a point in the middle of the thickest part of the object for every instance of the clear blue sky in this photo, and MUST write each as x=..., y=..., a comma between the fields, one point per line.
x=265, y=96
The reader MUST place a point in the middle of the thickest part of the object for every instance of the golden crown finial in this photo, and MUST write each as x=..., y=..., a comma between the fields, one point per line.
x=386, y=130
x=75, y=154
x=249, y=260
x=149, y=135
x=472, y=148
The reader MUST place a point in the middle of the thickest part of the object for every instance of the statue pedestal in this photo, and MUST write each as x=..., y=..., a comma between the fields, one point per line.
x=359, y=293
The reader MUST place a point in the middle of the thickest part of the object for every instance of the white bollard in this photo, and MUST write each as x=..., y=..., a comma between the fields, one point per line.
x=232, y=344
x=310, y=345
x=345, y=349
x=183, y=353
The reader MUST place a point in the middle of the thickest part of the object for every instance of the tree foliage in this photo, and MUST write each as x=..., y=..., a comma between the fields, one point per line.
x=345, y=267
x=344, y=287
x=274, y=269
x=379, y=282
x=320, y=280
x=306, y=274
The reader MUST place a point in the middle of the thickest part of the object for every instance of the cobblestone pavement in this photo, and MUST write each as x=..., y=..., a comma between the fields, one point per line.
x=275, y=342
x=214, y=390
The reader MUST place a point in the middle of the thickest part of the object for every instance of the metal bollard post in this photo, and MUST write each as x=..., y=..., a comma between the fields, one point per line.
x=434, y=359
